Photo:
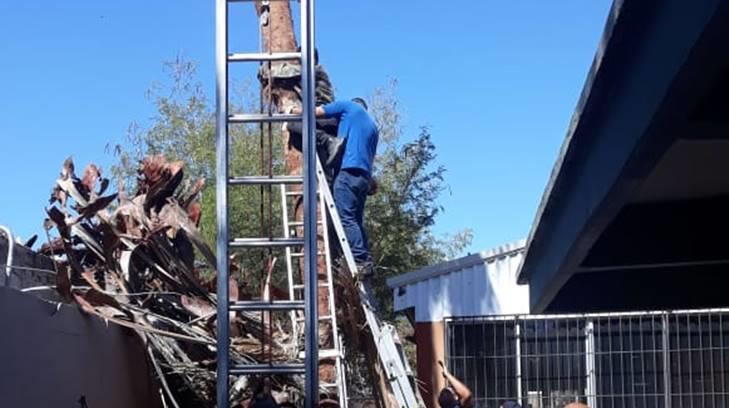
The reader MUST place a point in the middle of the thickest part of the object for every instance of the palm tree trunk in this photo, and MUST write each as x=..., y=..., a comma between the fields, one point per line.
x=278, y=36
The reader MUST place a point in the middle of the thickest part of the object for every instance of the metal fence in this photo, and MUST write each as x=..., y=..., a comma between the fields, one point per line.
x=626, y=360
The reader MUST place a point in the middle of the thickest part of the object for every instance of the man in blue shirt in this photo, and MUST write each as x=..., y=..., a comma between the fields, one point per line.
x=352, y=183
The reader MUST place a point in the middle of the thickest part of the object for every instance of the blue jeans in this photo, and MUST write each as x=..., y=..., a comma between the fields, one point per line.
x=350, y=194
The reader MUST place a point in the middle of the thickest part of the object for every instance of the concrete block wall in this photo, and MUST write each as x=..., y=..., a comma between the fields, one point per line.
x=25, y=278
x=52, y=355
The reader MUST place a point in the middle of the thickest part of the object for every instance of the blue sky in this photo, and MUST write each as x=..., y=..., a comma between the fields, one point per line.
x=496, y=81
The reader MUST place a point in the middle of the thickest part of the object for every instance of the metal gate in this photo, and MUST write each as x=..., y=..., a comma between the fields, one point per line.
x=628, y=360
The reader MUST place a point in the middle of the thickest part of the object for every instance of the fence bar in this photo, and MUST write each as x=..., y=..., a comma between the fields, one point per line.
x=517, y=345
x=608, y=360
x=591, y=389
x=666, y=361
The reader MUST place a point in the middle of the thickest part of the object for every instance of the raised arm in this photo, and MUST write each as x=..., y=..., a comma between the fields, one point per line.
x=319, y=112
x=465, y=396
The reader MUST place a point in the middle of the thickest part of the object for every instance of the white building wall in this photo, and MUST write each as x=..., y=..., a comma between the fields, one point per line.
x=475, y=285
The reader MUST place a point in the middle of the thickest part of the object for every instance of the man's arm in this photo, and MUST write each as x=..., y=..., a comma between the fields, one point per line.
x=463, y=392
x=319, y=112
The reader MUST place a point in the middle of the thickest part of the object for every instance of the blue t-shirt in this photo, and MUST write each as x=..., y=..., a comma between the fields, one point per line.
x=360, y=132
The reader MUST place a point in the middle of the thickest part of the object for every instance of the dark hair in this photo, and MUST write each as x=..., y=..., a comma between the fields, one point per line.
x=510, y=404
x=447, y=399
x=360, y=101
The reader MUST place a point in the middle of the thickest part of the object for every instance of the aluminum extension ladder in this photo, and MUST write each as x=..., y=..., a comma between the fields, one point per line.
x=309, y=241
x=392, y=358
x=335, y=351
x=389, y=349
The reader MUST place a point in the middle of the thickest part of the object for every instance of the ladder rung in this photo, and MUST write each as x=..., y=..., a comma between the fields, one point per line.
x=262, y=56
x=263, y=117
x=295, y=193
x=303, y=319
x=299, y=286
x=266, y=305
x=258, y=180
x=301, y=254
x=266, y=242
x=325, y=353
x=293, y=224
x=249, y=369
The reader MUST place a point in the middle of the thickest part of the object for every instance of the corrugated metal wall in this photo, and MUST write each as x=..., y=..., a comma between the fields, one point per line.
x=480, y=284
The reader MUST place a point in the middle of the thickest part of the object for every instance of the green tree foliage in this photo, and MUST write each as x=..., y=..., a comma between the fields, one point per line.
x=399, y=218
x=183, y=128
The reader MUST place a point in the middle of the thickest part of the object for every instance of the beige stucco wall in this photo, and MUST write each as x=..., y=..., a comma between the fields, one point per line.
x=430, y=338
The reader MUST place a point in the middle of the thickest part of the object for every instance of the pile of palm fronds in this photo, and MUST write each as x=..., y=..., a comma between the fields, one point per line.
x=130, y=259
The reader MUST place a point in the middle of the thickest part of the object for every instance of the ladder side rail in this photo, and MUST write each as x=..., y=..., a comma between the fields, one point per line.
x=330, y=294
x=289, y=268
x=311, y=329
x=387, y=351
x=344, y=397
x=221, y=191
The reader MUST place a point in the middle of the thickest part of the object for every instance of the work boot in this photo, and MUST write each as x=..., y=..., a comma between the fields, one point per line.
x=335, y=147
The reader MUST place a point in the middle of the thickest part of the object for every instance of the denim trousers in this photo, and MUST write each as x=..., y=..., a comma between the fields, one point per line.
x=350, y=194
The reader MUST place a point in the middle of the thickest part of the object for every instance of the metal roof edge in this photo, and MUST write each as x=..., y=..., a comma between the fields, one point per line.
x=457, y=264
x=565, y=150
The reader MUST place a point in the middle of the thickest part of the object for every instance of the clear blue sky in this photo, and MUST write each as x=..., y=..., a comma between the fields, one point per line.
x=496, y=81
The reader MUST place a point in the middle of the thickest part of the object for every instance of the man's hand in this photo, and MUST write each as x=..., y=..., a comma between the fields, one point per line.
x=464, y=394
x=372, y=190
x=444, y=370
x=292, y=108
x=318, y=112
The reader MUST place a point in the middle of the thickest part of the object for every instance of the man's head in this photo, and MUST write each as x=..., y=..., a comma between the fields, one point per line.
x=576, y=405
x=447, y=398
x=510, y=404
x=361, y=102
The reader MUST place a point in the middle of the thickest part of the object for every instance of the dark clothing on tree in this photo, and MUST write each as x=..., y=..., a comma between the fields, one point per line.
x=326, y=143
x=325, y=129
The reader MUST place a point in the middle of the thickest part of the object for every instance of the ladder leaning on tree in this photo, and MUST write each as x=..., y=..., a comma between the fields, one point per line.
x=316, y=200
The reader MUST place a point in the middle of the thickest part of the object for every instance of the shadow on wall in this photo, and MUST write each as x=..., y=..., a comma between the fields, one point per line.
x=54, y=356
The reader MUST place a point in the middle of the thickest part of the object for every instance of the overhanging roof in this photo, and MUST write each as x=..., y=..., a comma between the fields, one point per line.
x=655, y=65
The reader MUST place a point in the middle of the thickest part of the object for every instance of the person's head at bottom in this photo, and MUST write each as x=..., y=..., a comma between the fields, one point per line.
x=510, y=404
x=264, y=387
x=576, y=405
x=448, y=398
x=262, y=397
